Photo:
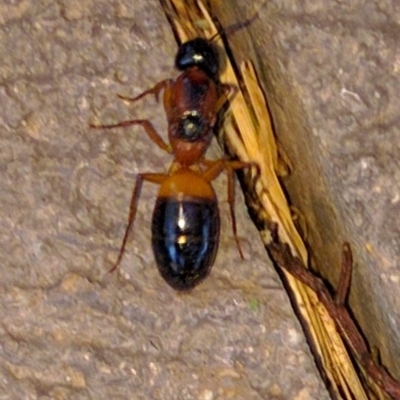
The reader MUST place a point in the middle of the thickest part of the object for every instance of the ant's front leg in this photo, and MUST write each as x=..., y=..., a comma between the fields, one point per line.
x=228, y=92
x=163, y=85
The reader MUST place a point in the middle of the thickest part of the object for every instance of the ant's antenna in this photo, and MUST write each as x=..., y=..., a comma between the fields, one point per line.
x=237, y=26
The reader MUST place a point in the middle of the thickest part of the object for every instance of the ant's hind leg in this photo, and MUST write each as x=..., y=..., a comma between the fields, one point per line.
x=231, y=202
x=214, y=169
x=148, y=127
x=150, y=177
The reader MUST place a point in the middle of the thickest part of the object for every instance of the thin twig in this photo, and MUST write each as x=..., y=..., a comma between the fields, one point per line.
x=336, y=307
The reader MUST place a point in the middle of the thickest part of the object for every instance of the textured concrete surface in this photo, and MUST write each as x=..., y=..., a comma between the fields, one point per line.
x=68, y=330
x=331, y=71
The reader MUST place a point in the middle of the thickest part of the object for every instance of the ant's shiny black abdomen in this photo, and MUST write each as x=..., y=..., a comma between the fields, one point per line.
x=185, y=237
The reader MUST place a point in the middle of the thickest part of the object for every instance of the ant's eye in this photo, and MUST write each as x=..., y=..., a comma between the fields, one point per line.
x=198, y=52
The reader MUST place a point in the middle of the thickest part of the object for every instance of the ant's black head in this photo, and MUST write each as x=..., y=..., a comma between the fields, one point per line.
x=198, y=52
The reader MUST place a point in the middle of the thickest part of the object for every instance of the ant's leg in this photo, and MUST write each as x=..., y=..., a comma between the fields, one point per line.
x=231, y=201
x=148, y=127
x=155, y=90
x=215, y=168
x=150, y=177
x=228, y=91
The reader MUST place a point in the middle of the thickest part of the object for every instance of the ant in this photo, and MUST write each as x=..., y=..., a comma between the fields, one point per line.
x=186, y=222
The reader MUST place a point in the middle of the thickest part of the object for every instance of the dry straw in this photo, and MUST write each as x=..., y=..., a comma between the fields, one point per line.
x=248, y=133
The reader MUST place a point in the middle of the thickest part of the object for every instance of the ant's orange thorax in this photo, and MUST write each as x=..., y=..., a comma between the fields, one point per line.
x=192, y=90
x=190, y=107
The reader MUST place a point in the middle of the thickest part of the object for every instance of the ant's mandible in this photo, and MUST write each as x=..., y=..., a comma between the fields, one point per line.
x=186, y=222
